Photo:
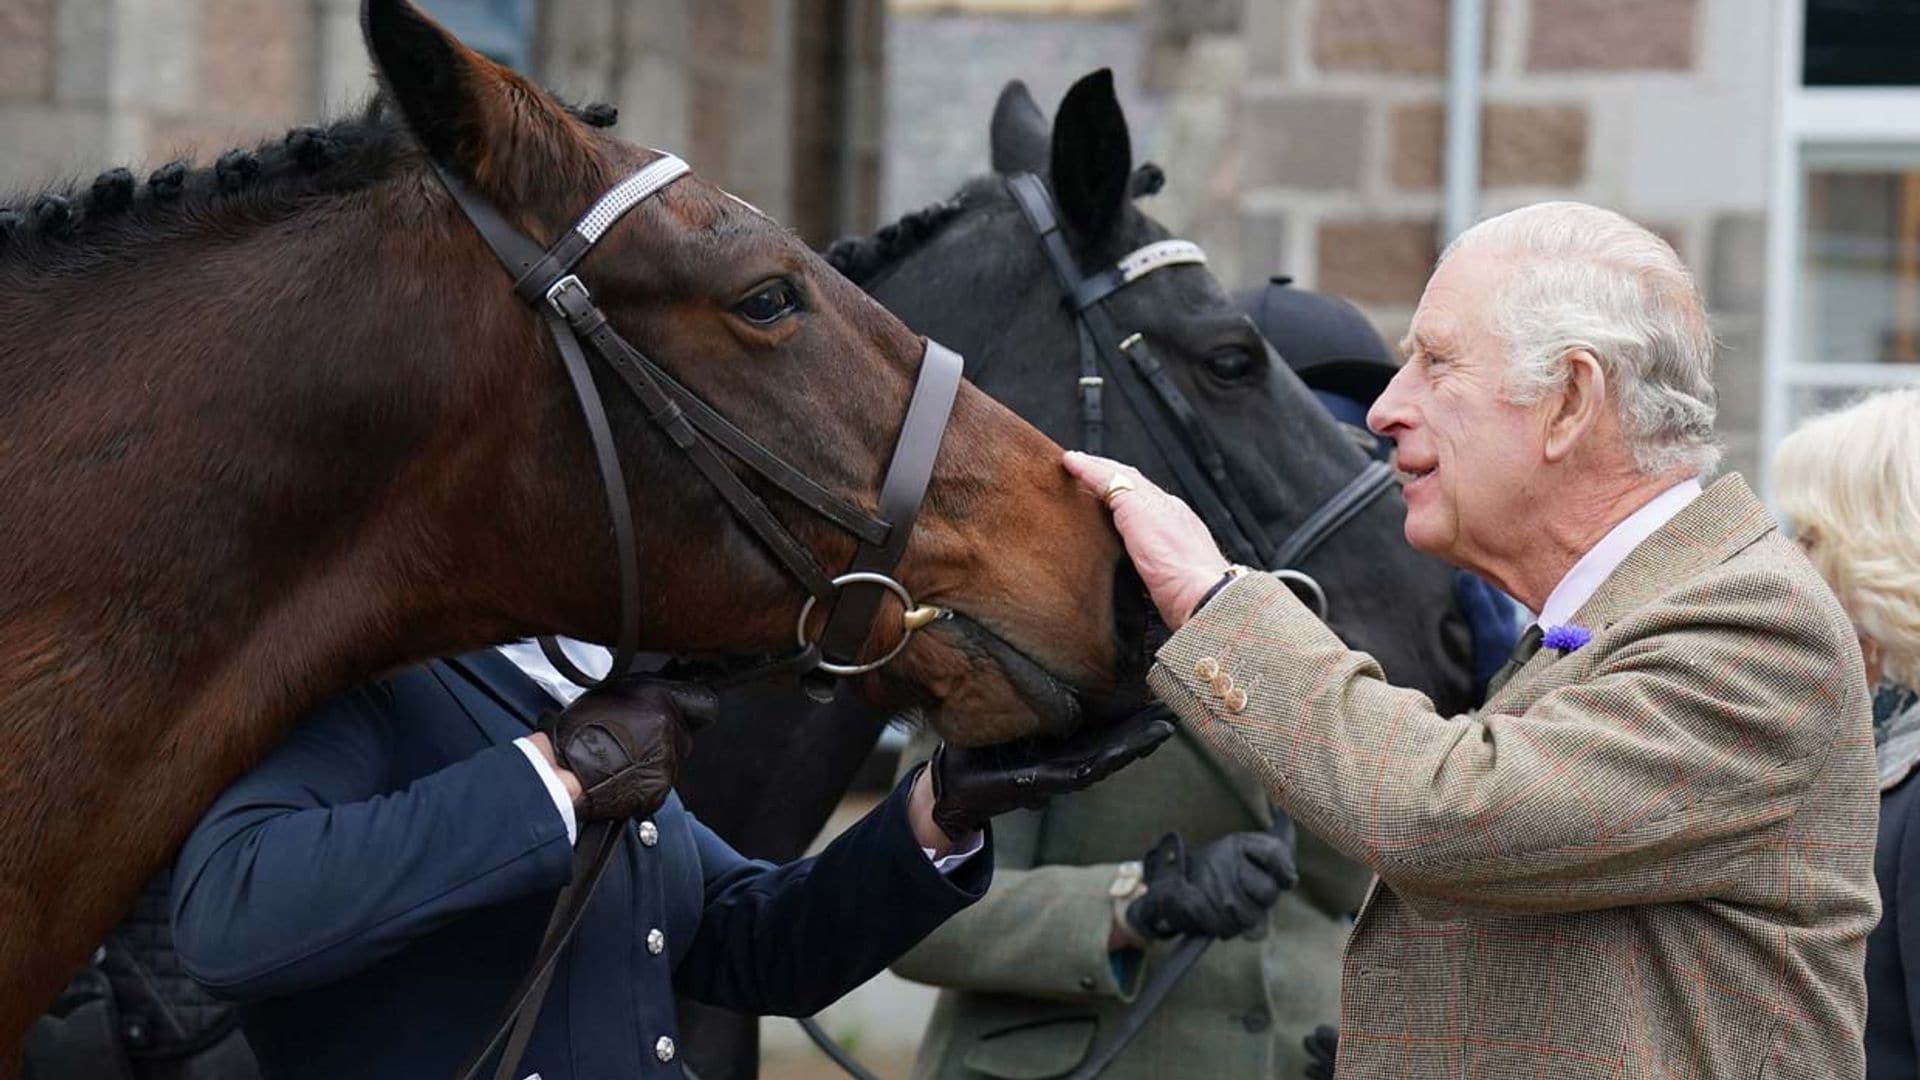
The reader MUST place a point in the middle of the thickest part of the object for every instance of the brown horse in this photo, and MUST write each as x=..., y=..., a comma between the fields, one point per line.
x=272, y=427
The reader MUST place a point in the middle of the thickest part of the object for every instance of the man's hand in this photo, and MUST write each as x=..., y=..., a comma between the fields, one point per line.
x=1170, y=546
x=967, y=787
x=1222, y=891
x=621, y=745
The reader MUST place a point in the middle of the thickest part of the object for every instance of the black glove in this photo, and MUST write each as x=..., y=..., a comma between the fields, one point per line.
x=1322, y=1046
x=625, y=740
x=972, y=785
x=1220, y=892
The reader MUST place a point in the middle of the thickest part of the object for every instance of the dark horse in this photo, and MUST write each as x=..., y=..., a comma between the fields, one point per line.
x=971, y=272
x=272, y=427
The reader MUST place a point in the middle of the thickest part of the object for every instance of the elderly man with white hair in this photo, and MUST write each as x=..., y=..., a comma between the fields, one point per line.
x=1650, y=854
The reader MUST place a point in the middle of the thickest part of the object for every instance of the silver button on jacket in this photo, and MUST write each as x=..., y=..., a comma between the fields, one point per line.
x=663, y=1048
x=649, y=833
x=656, y=941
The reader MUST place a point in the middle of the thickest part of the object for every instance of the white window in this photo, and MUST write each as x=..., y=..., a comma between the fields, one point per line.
x=1843, y=291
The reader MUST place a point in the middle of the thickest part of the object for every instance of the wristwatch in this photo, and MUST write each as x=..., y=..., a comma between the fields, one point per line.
x=1233, y=572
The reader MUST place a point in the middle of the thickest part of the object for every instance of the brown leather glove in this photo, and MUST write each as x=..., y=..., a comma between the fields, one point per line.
x=625, y=741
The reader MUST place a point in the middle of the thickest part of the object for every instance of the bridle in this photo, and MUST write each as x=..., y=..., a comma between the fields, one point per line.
x=544, y=278
x=1128, y=363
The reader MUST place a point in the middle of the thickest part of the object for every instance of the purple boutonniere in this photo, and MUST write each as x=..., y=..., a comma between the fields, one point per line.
x=1565, y=639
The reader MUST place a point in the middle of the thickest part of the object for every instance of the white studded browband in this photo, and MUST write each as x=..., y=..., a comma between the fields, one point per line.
x=1158, y=256
x=628, y=194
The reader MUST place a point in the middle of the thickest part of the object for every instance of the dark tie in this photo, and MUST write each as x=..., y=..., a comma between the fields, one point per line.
x=1523, y=651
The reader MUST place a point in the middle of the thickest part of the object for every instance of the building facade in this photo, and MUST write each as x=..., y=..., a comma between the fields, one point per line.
x=1775, y=143
x=776, y=99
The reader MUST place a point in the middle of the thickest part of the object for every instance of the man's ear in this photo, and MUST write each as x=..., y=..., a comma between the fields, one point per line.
x=1578, y=408
x=474, y=117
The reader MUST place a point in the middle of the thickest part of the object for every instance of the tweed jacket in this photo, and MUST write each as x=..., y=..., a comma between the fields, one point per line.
x=1028, y=984
x=1648, y=857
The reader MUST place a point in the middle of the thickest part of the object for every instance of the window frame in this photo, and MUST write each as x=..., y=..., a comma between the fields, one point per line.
x=1809, y=120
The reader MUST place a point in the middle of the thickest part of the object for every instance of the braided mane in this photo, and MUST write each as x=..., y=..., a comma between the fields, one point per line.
x=861, y=258
x=71, y=220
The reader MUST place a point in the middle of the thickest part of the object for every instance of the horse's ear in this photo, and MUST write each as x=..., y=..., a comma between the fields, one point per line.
x=1019, y=133
x=1092, y=156
x=468, y=113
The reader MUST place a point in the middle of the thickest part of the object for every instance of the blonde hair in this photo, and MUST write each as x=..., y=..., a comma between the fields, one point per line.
x=1591, y=279
x=1849, y=484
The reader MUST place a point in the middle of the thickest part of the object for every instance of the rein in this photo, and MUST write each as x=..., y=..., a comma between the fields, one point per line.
x=545, y=280
x=1199, y=468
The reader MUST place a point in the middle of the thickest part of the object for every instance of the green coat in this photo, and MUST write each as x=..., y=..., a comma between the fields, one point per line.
x=1027, y=977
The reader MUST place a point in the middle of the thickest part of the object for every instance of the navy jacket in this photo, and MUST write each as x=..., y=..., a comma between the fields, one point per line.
x=1893, y=949
x=377, y=886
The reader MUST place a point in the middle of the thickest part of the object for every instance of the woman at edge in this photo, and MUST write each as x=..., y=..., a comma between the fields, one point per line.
x=1849, y=485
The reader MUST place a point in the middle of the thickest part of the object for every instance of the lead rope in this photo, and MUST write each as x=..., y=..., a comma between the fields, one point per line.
x=1180, y=961
x=598, y=841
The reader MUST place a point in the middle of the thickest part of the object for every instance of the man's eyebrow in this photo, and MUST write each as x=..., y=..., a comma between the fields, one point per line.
x=1409, y=343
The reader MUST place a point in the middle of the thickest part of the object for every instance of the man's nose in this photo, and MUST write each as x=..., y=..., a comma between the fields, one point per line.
x=1389, y=412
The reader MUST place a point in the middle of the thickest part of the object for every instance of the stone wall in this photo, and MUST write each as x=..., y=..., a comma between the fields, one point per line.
x=1318, y=125
x=948, y=59
x=780, y=100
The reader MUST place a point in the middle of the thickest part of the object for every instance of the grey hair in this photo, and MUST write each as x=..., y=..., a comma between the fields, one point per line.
x=1590, y=279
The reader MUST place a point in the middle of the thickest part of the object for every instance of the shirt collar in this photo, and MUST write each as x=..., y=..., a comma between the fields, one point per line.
x=526, y=655
x=1605, y=557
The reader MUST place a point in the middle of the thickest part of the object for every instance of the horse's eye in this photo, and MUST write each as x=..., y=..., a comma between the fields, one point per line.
x=769, y=304
x=1231, y=364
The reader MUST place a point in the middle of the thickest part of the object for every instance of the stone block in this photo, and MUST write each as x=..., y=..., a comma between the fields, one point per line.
x=708, y=145
x=740, y=30
x=253, y=60
x=1376, y=262
x=1310, y=143
x=1740, y=453
x=1613, y=35
x=1263, y=247
x=1394, y=37
x=45, y=144
x=27, y=50
x=1736, y=276
x=160, y=53
x=1739, y=375
x=1271, y=27
x=87, y=32
x=1520, y=146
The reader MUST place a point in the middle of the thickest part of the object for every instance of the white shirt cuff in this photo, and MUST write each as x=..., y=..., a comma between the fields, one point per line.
x=953, y=860
x=561, y=801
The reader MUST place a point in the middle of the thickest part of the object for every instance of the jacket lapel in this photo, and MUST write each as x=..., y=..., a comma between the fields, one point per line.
x=500, y=700
x=1725, y=519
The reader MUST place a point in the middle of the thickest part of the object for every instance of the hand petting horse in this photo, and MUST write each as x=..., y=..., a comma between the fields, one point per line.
x=272, y=426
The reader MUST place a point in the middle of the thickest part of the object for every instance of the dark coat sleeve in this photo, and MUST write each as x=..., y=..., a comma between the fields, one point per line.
x=1906, y=890
x=789, y=940
x=313, y=866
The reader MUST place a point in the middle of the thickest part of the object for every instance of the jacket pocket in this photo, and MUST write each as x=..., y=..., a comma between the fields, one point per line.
x=1033, y=1050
